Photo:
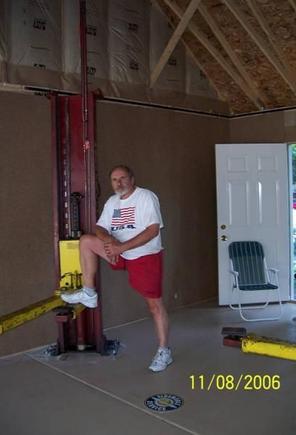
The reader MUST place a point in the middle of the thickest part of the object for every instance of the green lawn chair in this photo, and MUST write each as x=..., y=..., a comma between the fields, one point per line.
x=250, y=273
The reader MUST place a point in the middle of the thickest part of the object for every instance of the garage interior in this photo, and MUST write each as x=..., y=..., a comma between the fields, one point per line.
x=171, y=80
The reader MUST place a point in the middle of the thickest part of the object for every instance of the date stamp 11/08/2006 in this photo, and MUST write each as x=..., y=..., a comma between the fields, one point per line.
x=228, y=382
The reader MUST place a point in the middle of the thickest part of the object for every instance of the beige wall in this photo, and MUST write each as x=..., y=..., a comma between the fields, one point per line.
x=269, y=127
x=172, y=153
x=26, y=254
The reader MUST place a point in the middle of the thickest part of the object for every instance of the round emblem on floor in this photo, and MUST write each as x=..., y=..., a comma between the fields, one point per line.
x=164, y=402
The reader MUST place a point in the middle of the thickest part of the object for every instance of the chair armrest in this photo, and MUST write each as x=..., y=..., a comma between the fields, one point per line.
x=235, y=277
x=275, y=275
x=234, y=272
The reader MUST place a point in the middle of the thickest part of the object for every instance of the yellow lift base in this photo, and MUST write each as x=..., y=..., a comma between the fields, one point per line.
x=269, y=347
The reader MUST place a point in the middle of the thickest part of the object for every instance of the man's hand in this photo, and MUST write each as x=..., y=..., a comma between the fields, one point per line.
x=113, y=259
x=113, y=249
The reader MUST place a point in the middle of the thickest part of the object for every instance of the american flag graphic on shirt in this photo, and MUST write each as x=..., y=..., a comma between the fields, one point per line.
x=123, y=216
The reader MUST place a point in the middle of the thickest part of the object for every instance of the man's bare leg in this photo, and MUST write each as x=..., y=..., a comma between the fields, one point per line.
x=163, y=355
x=91, y=248
x=160, y=318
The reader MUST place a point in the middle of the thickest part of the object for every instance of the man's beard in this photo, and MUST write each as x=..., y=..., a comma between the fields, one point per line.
x=121, y=192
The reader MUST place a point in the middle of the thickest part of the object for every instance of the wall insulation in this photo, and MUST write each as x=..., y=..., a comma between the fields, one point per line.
x=34, y=42
x=40, y=44
x=173, y=74
x=129, y=41
x=97, y=56
x=196, y=81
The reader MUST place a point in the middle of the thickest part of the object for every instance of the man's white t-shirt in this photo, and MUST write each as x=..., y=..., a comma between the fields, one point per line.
x=126, y=218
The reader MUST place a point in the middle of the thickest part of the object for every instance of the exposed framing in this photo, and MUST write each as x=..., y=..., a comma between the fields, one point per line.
x=264, y=25
x=227, y=47
x=215, y=53
x=192, y=55
x=184, y=21
x=201, y=67
x=293, y=4
x=241, y=17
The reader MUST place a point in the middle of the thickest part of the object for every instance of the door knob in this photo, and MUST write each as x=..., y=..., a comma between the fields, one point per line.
x=223, y=238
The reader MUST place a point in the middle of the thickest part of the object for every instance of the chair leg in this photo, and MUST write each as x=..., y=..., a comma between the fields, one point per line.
x=241, y=309
x=256, y=307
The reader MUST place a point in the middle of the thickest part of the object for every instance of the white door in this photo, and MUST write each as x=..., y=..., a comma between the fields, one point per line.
x=253, y=204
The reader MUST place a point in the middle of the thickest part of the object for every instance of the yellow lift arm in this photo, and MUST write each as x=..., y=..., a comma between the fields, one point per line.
x=30, y=312
x=70, y=280
x=269, y=347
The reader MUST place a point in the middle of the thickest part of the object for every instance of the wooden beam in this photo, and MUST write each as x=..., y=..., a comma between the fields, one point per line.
x=201, y=67
x=260, y=42
x=272, y=39
x=293, y=4
x=227, y=47
x=191, y=54
x=188, y=14
x=203, y=39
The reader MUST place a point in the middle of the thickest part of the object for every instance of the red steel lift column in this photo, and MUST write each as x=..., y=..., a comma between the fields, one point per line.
x=74, y=136
x=75, y=195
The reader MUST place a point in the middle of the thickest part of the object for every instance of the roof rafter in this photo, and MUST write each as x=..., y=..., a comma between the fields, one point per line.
x=215, y=53
x=260, y=42
x=185, y=19
x=202, y=68
x=233, y=56
x=192, y=55
x=293, y=4
x=263, y=23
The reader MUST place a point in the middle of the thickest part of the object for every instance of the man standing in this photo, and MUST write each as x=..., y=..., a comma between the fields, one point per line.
x=128, y=237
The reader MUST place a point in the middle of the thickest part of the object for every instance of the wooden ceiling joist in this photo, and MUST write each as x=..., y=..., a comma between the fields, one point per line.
x=215, y=53
x=201, y=67
x=260, y=42
x=193, y=57
x=184, y=20
x=233, y=56
x=293, y=4
x=273, y=41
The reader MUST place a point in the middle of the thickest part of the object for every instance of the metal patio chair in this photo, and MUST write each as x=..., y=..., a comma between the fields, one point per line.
x=250, y=273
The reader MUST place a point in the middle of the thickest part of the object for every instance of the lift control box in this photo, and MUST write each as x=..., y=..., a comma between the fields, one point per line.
x=70, y=270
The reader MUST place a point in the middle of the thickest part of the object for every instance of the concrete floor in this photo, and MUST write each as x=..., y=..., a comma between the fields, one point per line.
x=87, y=394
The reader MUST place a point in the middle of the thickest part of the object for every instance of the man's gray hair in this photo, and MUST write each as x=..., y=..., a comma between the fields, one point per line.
x=125, y=168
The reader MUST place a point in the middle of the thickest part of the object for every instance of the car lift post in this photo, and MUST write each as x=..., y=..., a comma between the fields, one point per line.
x=74, y=137
x=72, y=178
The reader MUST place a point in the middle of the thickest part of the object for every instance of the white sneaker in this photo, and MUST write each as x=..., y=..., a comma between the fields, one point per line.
x=161, y=360
x=80, y=297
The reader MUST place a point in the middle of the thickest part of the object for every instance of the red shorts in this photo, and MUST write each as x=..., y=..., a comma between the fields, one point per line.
x=144, y=274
